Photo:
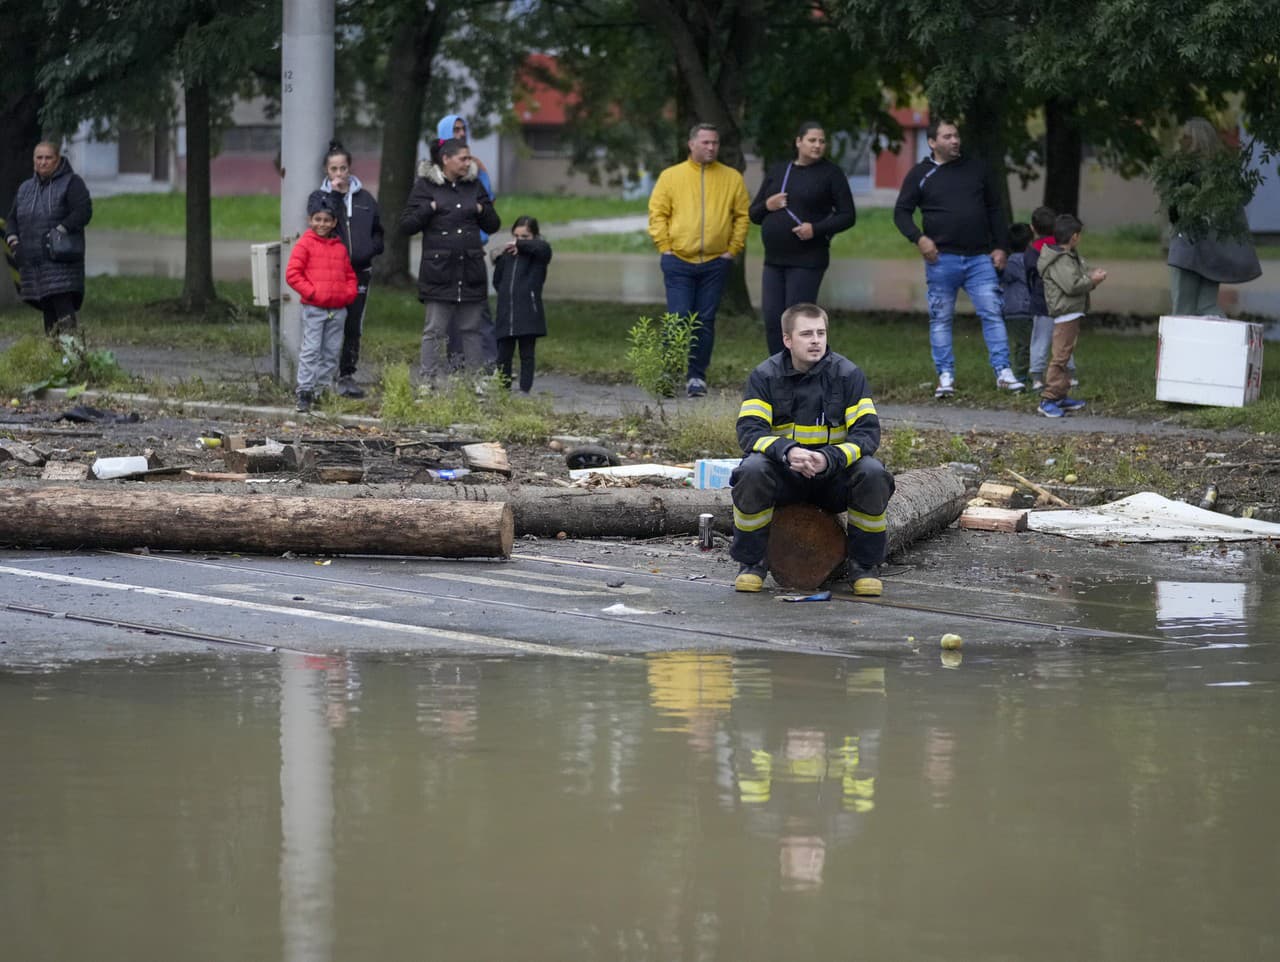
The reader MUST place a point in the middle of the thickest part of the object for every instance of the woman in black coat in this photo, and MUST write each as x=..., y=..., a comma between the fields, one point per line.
x=54, y=201
x=519, y=271
x=800, y=206
x=360, y=227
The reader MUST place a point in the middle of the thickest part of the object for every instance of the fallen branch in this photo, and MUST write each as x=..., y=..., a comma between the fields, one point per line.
x=1042, y=492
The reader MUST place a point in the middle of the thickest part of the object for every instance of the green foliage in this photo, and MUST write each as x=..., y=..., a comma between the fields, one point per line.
x=498, y=413
x=1204, y=193
x=898, y=447
x=34, y=364
x=958, y=449
x=659, y=352
x=256, y=217
x=705, y=432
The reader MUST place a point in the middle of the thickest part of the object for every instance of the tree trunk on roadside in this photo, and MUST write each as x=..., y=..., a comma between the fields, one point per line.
x=107, y=515
x=926, y=501
x=20, y=121
x=984, y=138
x=1064, y=153
x=197, y=284
x=410, y=58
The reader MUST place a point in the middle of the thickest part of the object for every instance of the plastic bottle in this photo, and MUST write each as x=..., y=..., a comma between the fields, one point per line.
x=448, y=474
x=1210, y=500
x=105, y=468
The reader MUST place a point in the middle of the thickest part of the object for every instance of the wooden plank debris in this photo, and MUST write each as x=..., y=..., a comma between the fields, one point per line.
x=489, y=456
x=981, y=518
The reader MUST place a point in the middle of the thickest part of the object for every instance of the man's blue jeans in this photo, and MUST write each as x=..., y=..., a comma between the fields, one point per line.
x=695, y=289
x=977, y=275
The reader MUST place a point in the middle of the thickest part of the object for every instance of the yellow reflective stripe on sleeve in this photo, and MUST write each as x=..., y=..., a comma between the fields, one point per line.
x=763, y=443
x=756, y=408
x=752, y=522
x=787, y=430
x=850, y=451
x=837, y=435
x=873, y=523
x=864, y=407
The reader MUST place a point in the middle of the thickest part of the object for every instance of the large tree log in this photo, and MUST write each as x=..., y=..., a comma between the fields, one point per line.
x=926, y=501
x=67, y=517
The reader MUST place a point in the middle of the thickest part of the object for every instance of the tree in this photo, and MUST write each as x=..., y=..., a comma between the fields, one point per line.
x=120, y=62
x=434, y=55
x=642, y=72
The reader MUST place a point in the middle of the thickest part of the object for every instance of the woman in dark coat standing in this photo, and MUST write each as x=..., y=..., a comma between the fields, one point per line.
x=800, y=206
x=54, y=199
x=519, y=271
x=360, y=227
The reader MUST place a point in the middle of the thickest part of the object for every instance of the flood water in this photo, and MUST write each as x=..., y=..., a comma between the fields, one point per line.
x=1101, y=802
x=1140, y=287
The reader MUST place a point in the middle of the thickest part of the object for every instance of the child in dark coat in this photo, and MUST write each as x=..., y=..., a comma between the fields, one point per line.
x=320, y=271
x=519, y=271
x=1016, y=287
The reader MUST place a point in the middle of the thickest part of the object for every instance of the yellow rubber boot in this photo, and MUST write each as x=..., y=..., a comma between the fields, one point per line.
x=750, y=578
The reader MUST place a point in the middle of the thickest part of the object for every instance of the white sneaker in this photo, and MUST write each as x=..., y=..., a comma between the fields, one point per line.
x=946, y=384
x=1005, y=381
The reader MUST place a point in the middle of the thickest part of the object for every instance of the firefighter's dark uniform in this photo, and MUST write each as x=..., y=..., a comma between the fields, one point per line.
x=827, y=408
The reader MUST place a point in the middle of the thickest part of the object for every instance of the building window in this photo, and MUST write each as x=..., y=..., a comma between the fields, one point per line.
x=256, y=139
x=544, y=140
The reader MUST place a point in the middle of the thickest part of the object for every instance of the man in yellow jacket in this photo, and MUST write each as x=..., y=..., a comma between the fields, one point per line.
x=698, y=221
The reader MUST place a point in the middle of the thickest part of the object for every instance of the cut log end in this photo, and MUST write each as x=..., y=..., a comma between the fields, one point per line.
x=806, y=545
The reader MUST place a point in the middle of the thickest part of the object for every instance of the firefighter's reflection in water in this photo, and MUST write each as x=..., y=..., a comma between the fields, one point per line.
x=800, y=768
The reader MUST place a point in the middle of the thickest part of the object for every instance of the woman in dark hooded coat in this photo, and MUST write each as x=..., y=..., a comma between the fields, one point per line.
x=54, y=201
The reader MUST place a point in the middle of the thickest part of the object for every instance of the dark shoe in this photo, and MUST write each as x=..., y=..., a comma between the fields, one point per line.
x=697, y=387
x=1050, y=409
x=751, y=577
x=864, y=582
x=1070, y=404
x=348, y=387
x=305, y=400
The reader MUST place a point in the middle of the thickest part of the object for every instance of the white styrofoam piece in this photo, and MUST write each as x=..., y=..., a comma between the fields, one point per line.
x=634, y=471
x=1150, y=517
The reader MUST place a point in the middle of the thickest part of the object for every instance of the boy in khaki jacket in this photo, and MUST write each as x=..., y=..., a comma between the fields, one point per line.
x=1067, y=283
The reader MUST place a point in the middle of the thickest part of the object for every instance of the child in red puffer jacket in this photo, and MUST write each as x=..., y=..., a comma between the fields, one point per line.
x=320, y=271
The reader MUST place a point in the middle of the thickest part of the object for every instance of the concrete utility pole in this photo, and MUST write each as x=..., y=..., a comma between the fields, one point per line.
x=306, y=124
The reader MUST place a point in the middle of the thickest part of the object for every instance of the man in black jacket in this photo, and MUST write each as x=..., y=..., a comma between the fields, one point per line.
x=451, y=208
x=963, y=244
x=808, y=429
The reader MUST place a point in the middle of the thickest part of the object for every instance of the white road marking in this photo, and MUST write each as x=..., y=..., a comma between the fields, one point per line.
x=514, y=585
x=331, y=593
x=462, y=637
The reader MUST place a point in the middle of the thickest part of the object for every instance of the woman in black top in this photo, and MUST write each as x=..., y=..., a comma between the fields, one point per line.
x=800, y=206
x=360, y=227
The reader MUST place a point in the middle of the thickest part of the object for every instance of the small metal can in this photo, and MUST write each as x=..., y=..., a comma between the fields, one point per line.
x=1210, y=500
x=705, y=531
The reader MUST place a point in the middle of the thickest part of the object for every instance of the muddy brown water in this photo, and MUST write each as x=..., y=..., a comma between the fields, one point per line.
x=1100, y=801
